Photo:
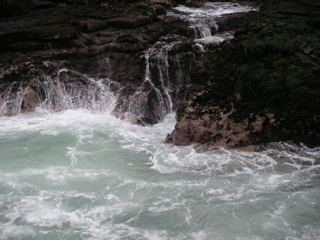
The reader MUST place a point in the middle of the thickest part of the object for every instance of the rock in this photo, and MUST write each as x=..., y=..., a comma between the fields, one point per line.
x=14, y=8
x=29, y=103
x=261, y=87
x=194, y=3
x=40, y=4
x=189, y=3
x=64, y=46
x=165, y=2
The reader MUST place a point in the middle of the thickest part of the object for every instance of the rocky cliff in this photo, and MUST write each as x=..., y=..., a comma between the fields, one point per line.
x=261, y=87
x=71, y=47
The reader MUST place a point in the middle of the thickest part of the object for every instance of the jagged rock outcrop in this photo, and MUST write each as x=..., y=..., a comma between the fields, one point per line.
x=261, y=87
x=105, y=42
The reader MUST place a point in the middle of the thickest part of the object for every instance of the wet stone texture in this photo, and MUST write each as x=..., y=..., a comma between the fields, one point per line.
x=261, y=87
x=102, y=40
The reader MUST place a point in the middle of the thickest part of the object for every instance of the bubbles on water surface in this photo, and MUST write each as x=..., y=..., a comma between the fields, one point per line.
x=101, y=176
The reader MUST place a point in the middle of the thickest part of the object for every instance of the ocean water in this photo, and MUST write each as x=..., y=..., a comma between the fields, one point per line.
x=81, y=175
x=84, y=174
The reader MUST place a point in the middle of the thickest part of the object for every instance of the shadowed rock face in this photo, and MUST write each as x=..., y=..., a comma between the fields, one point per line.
x=261, y=87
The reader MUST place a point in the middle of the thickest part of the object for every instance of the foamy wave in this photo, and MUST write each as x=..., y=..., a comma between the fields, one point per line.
x=75, y=174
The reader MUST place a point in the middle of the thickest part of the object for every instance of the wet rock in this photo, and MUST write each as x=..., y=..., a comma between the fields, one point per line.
x=165, y=2
x=194, y=3
x=261, y=87
x=92, y=41
x=190, y=3
x=29, y=101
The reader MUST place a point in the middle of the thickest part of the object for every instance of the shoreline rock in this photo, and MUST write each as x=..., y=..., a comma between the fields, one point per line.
x=106, y=42
x=261, y=87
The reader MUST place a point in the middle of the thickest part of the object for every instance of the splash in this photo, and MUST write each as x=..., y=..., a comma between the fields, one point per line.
x=69, y=89
x=78, y=175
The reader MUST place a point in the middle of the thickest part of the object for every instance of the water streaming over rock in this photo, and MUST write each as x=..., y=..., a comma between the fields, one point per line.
x=204, y=20
x=81, y=173
x=167, y=66
x=161, y=90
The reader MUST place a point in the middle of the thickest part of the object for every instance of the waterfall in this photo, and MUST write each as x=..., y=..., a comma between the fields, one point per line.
x=165, y=73
x=161, y=55
x=139, y=103
x=203, y=20
x=167, y=66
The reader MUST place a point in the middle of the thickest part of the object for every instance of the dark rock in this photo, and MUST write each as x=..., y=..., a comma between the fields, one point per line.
x=190, y=3
x=14, y=8
x=40, y=4
x=261, y=87
x=68, y=44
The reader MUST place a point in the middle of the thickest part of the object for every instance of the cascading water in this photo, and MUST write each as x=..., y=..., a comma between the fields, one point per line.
x=204, y=20
x=153, y=99
x=161, y=54
x=139, y=103
x=80, y=174
x=69, y=89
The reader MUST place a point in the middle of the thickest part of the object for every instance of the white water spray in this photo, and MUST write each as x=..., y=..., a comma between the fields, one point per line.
x=68, y=90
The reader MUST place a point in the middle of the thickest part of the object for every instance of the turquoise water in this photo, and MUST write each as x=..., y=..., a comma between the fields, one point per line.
x=79, y=175
x=76, y=175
